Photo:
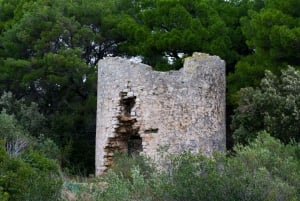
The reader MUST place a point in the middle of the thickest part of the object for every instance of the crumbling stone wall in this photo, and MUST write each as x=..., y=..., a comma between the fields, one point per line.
x=140, y=110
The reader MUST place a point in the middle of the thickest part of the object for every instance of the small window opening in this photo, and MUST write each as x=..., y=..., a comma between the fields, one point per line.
x=134, y=145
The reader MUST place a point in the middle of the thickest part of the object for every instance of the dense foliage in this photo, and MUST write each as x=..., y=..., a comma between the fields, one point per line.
x=49, y=51
x=257, y=172
x=25, y=171
x=274, y=107
x=264, y=170
x=161, y=31
x=48, y=56
x=31, y=177
x=272, y=34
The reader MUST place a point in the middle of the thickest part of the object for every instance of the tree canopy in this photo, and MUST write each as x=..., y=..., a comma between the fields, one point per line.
x=163, y=32
x=273, y=107
x=49, y=51
x=272, y=34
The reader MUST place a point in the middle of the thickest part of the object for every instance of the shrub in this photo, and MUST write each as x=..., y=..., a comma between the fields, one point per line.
x=119, y=188
x=15, y=137
x=264, y=170
x=48, y=147
x=281, y=161
x=274, y=107
x=29, y=178
x=26, y=114
x=123, y=164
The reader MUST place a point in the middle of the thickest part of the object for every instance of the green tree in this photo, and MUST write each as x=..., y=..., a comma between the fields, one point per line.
x=274, y=107
x=272, y=34
x=48, y=54
x=163, y=32
x=27, y=115
x=31, y=177
x=23, y=126
x=25, y=173
x=15, y=138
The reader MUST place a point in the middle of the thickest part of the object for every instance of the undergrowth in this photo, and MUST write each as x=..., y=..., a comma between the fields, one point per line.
x=266, y=170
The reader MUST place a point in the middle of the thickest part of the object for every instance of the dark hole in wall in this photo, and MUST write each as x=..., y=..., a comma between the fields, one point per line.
x=127, y=139
x=134, y=145
x=127, y=105
x=127, y=121
x=151, y=130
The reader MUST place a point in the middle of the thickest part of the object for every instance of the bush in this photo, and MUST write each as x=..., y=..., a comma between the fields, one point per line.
x=15, y=137
x=48, y=147
x=123, y=165
x=281, y=161
x=119, y=188
x=26, y=114
x=29, y=178
x=266, y=170
x=25, y=174
x=274, y=107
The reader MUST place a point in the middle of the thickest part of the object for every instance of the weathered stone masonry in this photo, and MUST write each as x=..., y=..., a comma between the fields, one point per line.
x=140, y=110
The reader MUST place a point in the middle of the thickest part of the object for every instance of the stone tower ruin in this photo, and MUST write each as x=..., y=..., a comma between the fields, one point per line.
x=140, y=110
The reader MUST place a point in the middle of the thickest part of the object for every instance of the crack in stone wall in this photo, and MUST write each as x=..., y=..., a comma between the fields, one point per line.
x=139, y=110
